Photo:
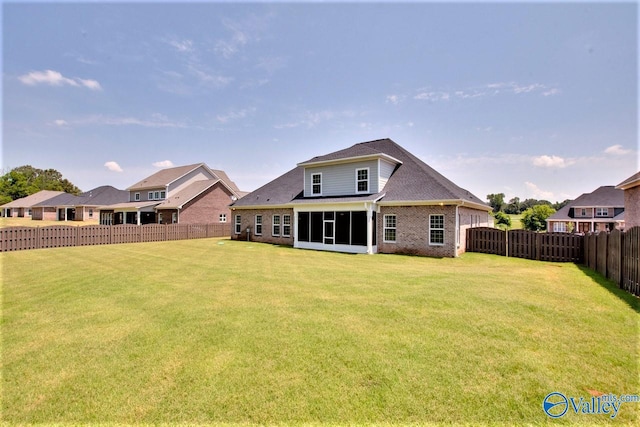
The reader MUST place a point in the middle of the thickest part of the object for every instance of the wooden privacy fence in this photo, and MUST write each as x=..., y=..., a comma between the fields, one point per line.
x=21, y=238
x=558, y=247
x=616, y=255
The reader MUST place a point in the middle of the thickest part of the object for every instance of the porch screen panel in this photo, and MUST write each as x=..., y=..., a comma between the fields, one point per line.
x=359, y=228
x=343, y=228
x=317, y=227
x=303, y=226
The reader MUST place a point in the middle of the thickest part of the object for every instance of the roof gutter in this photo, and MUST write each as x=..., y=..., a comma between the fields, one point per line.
x=454, y=202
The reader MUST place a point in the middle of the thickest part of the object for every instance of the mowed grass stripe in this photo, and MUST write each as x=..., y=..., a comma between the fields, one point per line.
x=217, y=331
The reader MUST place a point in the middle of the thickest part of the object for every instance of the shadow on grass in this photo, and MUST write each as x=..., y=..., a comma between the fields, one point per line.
x=631, y=300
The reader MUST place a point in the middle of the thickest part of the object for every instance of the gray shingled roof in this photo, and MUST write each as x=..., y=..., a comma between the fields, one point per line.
x=100, y=196
x=633, y=179
x=163, y=177
x=412, y=181
x=33, y=199
x=605, y=196
x=189, y=193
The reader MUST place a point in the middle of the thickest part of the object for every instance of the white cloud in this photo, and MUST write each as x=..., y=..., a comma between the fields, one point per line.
x=163, y=164
x=537, y=192
x=181, y=45
x=551, y=162
x=229, y=47
x=54, y=78
x=155, y=121
x=394, y=99
x=432, y=96
x=551, y=92
x=617, y=150
x=234, y=115
x=60, y=123
x=113, y=166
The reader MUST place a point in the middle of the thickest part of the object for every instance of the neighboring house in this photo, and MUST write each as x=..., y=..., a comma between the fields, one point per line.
x=23, y=207
x=185, y=194
x=601, y=210
x=631, y=188
x=372, y=197
x=68, y=207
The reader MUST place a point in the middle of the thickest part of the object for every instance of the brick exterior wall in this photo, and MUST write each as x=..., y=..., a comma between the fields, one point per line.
x=632, y=207
x=206, y=208
x=248, y=220
x=412, y=229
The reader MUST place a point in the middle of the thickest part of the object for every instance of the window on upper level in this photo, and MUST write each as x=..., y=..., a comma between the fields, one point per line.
x=602, y=212
x=362, y=180
x=316, y=183
x=136, y=197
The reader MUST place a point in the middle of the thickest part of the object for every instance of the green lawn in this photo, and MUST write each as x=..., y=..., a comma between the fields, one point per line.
x=218, y=331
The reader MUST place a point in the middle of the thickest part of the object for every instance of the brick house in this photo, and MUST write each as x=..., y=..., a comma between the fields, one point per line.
x=184, y=194
x=631, y=188
x=23, y=207
x=372, y=197
x=84, y=207
x=601, y=210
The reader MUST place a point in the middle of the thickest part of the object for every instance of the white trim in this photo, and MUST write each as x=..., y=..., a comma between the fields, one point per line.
x=274, y=225
x=368, y=181
x=255, y=225
x=437, y=229
x=448, y=202
x=312, y=184
x=351, y=160
x=136, y=197
x=237, y=225
x=286, y=225
x=351, y=249
x=385, y=228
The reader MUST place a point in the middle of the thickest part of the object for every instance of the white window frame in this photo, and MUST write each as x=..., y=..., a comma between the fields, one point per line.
x=136, y=197
x=163, y=195
x=90, y=213
x=237, y=223
x=150, y=195
x=318, y=184
x=222, y=217
x=602, y=212
x=358, y=191
x=258, y=223
x=559, y=227
x=286, y=225
x=275, y=222
x=386, y=227
x=432, y=229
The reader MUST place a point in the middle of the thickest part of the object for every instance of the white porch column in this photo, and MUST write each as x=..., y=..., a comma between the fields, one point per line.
x=370, y=228
x=138, y=217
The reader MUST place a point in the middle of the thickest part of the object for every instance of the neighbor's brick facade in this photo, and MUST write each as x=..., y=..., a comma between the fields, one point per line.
x=204, y=209
x=632, y=207
x=248, y=220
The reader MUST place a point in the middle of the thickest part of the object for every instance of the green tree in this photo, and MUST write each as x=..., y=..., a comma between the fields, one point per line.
x=496, y=201
x=535, y=218
x=26, y=180
x=502, y=219
x=513, y=207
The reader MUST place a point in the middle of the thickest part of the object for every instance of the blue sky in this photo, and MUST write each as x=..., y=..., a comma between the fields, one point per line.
x=533, y=100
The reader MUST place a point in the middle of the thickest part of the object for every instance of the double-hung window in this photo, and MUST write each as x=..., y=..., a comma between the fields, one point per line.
x=316, y=184
x=362, y=180
x=258, y=230
x=390, y=222
x=238, y=224
x=436, y=229
x=275, y=223
x=136, y=197
x=602, y=212
x=286, y=225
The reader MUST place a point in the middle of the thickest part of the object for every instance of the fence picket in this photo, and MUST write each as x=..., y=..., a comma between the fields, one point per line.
x=24, y=238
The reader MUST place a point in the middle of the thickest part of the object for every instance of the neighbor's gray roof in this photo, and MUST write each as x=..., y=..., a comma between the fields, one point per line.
x=100, y=196
x=29, y=201
x=164, y=177
x=605, y=196
x=412, y=181
x=189, y=193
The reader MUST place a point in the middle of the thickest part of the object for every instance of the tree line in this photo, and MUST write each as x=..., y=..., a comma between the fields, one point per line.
x=534, y=212
x=26, y=180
